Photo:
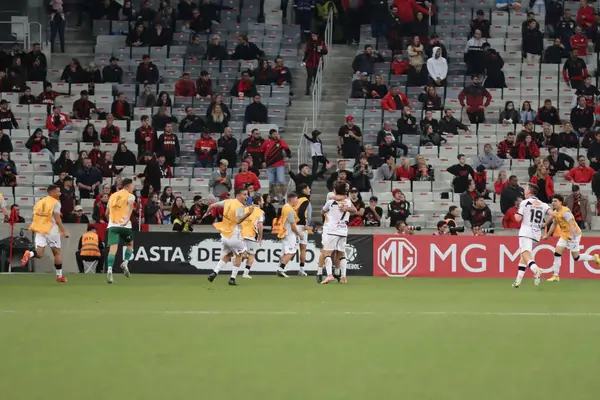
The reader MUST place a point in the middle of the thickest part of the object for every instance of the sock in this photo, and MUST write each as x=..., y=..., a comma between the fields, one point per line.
x=521, y=273
x=248, y=267
x=128, y=254
x=343, y=266
x=31, y=254
x=556, y=265
x=585, y=257
x=320, y=271
x=301, y=266
x=220, y=266
x=234, y=271
x=110, y=261
x=58, y=270
x=337, y=271
x=328, y=266
x=282, y=266
x=534, y=268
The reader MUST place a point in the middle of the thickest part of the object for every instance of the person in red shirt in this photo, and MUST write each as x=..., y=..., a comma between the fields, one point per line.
x=405, y=172
x=110, y=133
x=48, y=96
x=205, y=149
x=407, y=9
x=579, y=42
x=145, y=137
x=501, y=183
x=582, y=173
x=95, y=155
x=276, y=152
x=585, y=16
x=244, y=177
x=508, y=222
x=185, y=87
x=528, y=149
x=394, y=100
x=120, y=108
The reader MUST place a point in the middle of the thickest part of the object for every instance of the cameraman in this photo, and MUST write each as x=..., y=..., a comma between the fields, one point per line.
x=403, y=229
x=442, y=229
x=450, y=220
x=480, y=215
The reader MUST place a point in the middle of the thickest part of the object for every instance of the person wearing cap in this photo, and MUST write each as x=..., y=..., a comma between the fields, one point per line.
x=365, y=61
x=475, y=98
x=215, y=50
x=361, y=87
x=113, y=73
x=7, y=118
x=147, y=72
x=195, y=50
x=204, y=86
x=481, y=24
x=349, y=139
x=90, y=249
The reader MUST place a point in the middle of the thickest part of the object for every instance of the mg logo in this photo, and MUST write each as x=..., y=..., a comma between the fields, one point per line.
x=397, y=257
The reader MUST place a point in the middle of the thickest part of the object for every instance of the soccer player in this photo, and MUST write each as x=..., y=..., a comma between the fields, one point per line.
x=289, y=234
x=570, y=235
x=232, y=243
x=303, y=212
x=48, y=228
x=335, y=231
x=252, y=232
x=118, y=214
x=531, y=214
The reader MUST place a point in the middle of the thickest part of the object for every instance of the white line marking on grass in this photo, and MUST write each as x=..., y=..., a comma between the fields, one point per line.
x=306, y=313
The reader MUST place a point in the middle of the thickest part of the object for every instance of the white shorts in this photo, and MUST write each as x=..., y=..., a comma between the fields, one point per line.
x=251, y=246
x=51, y=240
x=232, y=245
x=304, y=239
x=289, y=244
x=526, y=244
x=334, y=243
x=572, y=245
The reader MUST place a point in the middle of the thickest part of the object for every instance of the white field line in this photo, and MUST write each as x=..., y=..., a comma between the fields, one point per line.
x=303, y=313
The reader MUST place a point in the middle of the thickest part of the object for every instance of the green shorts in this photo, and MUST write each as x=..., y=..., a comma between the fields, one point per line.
x=116, y=233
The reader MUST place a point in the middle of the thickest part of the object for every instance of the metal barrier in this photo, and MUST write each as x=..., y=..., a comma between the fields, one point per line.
x=317, y=91
x=25, y=41
x=302, y=155
x=35, y=27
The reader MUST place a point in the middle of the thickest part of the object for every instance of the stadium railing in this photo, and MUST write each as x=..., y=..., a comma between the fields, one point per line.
x=317, y=91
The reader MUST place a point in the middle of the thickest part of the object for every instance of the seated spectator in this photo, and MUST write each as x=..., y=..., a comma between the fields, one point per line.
x=215, y=50
x=227, y=147
x=64, y=163
x=416, y=52
x=110, y=133
x=112, y=73
x=534, y=166
x=120, y=108
x=580, y=207
x=582, y=116
x=429, y=137
x=407, y=123
x=474, y=56
x=8, y=178
x=593, y=153
x=387, y=170
x=27, y=98
x=147, y=72
x=244, y=87
x=558, y=161
x=361, y=87
x=544, y=182
x=362, y=174
x=450, y=125
x=5, y=158
x=527, y=149
x=83, y=107
x=147, y=98
x=373, y=213
x=588, y=138
x=481, y=24
x=574, y=70
x=568, y=138
x=107, y=167
x=220, y=181
x=38, y=143
x=198, y=24
x=430, y=99
x=256, y=112
x=349, y=139
x=217, y=121
x=394, y=100
x=168, y=145
x=378, y=89
x=387, y=147
x=548, y=138
x=93, y=75
x=162, y=118
x=475, y=98
x=399, y=65
x=218, y=99
x=437, y=67
x=160, y=36
x=124, y=156
x=429, y=120
x=205, y=149
x=95, y=154
x=461, y=171
x=185, y=87
x=398, y=210
x=204, y=87
x=138, y=36
x=405, y=172
x=164, y=100
x=281, y=74
x=500, y=183
x=262, y=74
x=179, y=216
x=245, y=176
x=88, y=180
x=195, y=50
x=191, y=122
x=167, y=200
x=508, y=221
x=580, y=174
x=434, y=41
x=480, y=215
x=365, y=62
x=5, y=142
x=509, y=115
x=416, y=76
x=99, y=213
x=152, y=212
x=246, y=50
x=77, y=217
x=423, y=171
x=73, y=73
x=527, y=113
x=555, y=53
x=387, y=130
x=546, y=114
x=488, y=159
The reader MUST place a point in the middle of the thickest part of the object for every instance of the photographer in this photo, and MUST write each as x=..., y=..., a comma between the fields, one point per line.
x=197, y=211
x=480, y=215
x=450, y=220
x=403, y=229
x=179, y=215
x=442, y=229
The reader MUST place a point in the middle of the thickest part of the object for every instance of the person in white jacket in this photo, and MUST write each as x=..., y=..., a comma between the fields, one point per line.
x=437, y=66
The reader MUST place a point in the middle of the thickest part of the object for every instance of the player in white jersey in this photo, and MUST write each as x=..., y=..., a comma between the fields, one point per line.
x=531, y=214
x=335, y=231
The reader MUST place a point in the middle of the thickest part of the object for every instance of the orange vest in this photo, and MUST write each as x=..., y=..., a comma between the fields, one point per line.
x=42, y=215
x=564, y=225
x=90, y=245
x=229, y=223
x=276, y=226
x=285, y=211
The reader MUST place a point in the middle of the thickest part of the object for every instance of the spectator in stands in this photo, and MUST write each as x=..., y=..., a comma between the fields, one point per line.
x=430, y=99
x=164, y=100
x=34, y=55
x=556, y=52
x=405, y=172
x=8, y=177
x=544, y=182
x=588, y=138
x=192, y=123
x=356, y=219
x=488, y=159
x=78, y=168
x=548, y=113
x=596, y=188
x=205, y=149
x=27, y=98
x=450, y=125
x=588, y=91
x=548, y=138
x=429, y=120
x=185, y=87
x=124, y=156
x=145, y=136
x=64, y=163
x=378, y=89
x=533, y=43
x=373, y=213
x=534, y=166
x=559, y=161
x=220, y=181
x=152, y=213
x=146, y=12
x=99, y=213
x=361, y=87
x=430, y=137
x=57, y=28
x=146, y=98
x=93, y=75
x=110, y=133
x=568, y=137
x=494, y=63
x=167, y=201
x=530, y=18
x=5, y=156
x=244, y=87
x=580, y=174
x=341, y=168
x=168, y=145
x=509, y=115
x=252, y=145
x=481, y=24
x=475, y=98
x=48, y=96
x=349, y=139
x=437, y=66
x=394, y=100
x=106, y=10
x=74, y=73
x=387, y=147
x=582, y=116
x=159, y=36
x=593, y=153
x=407, y=123
x=147, y=72
x=313, y=52
x=365, y=61
x=262, y=73
x=162, y=118
x=580, y=207
x=245, y=176
x=387, y=130
x=466, y=200
x=474, y=57
x=527, y=149
x=246, y=50
x=574, y=70
x=77, y=217
x=423, y=170
x=500, y=183
x=82, y=107
x=217, y=120
x=280, y=74
x=14, y=83
x=527, y=113
x=398, y=210
x=303, y=177
x=5, y=143
x=120, y=108
x=480, y=215
x=508, y=221
x=89, y=180
x=566, y=27
x=195, y=50
x=95, y=154
x=362, y=174
x=38, y=143
x=113, y=73
x=215, y=50
x=204, y=87
x=7, y=118
x=416, y=53
x=461, y=171
x=107, y=166
x=579, y=42
x=434, y=41
x=227, y=147
x=256, y=112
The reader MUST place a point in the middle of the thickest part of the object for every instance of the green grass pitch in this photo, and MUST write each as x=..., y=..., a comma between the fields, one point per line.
x=179, y=337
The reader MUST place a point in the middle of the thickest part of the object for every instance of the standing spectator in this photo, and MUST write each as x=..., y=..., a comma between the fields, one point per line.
x=245, y=177
x=89, y=180
x=579, y=42
x=556, y=52
x=574, y=70
x=205, y=149
x=474, y=54
x=398, y=210
x=168, y=145
x=582, y=173
x=450, y=125
x=7, y=118
x=246, y=50
x=476, y=99
x=147, y=72
x=461, y=172
x=588, y=91
x=547, y=114
x=494, y=63
x=593, y=153
x=373, y=213
x=276, y=152
x=251, y=146
x=220, y=181
x=480, y=23
x=508, y=221
x=303, y=177
x=113, y=73
x=560, y=161
x=566, y=27
x=337, y=175
x=145, y=137
x=394, y=100
x=227, y=148
x=544, y=182
x=510, y=194
x=57, y=28
x=580, y=207
x=533, y=43
x=317, y=154
x=68, y=198
x=110, y=133
x=582, y=116
x=315, y=49
x=365, y=61
x=437, y=66
x=349, y=139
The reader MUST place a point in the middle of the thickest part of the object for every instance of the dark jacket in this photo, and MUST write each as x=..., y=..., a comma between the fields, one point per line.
x=256, y=113
x=366, y=63
x=147, y=73
x=554, y=54
x=248, y=51
x=112, y=74
x=533, y=41
x=508, y=197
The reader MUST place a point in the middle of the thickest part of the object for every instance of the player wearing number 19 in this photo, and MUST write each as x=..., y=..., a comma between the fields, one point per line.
x=118, y=214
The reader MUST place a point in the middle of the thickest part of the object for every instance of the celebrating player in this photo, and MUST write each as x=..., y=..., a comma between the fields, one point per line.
x=252, y=232
x=118, y=213
x=48, y=228
x=531, y=214
x=289, y=234
x=570, y=235
x=335, y=230
x=303, y=212
x=232, y=243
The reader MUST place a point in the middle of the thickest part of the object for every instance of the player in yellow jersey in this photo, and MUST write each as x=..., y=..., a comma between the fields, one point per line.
x=48, y=228
x=252, y=232
x=289, y=234
x=569, y=238
x=118, y=213
x=232, y=243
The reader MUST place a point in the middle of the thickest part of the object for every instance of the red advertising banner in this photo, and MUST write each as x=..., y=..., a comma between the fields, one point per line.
x=471, y=257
